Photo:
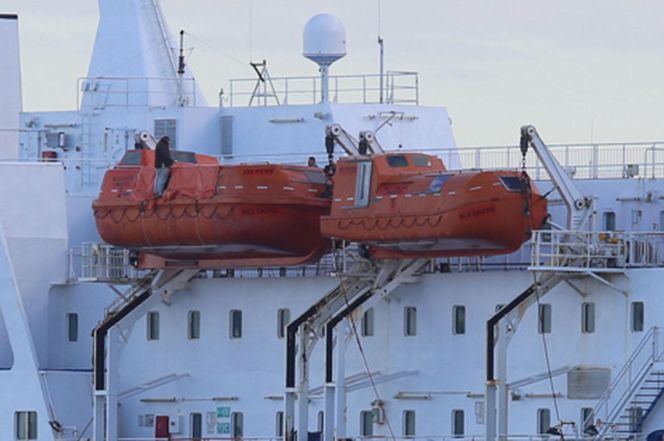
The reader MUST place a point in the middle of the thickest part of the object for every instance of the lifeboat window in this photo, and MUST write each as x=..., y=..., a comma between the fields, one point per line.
x=421, y=161
x=283, y=318
x=458, y=422
x=315, y=177
x=543, y=420
x=153, y=325
x=397, y=161
x=366, y=423
x=410, y=321
x=194, y=325
x=363, y=184
x=368, y=323
x=133, y=157
x=544, y=318
x=459, y=313
x=180, y=156
x=72, y=327
x=408, y=423
x=236, y=323
x=588, y=318
x=638, y=316
x=512, y=183
x=26, y=425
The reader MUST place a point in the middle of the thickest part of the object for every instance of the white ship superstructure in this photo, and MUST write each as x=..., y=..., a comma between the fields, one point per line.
x=202, y=354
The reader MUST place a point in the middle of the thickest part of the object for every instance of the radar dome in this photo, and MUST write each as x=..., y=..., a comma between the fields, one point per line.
x=324, y=39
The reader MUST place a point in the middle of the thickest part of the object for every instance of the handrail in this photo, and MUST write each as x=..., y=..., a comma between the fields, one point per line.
x=362, y=88
x=650, y=342
x=597, y=250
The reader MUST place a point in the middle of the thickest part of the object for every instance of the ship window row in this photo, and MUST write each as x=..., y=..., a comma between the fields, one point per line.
x=368, y=418
x=193, y=324
x=26, y=425
x=586, y=421
x=367, y=328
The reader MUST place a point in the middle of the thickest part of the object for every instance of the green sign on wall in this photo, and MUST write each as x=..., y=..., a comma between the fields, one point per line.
x=223, y=427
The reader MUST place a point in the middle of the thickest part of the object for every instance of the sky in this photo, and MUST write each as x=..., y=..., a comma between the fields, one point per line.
x=580, y=70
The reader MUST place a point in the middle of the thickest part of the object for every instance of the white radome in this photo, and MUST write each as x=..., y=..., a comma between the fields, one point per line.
x=324, y=39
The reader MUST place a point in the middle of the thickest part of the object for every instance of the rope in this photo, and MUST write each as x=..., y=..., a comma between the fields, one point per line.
x=366, y=366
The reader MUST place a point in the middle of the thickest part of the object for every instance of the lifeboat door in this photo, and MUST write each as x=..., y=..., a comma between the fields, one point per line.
x=363, y=184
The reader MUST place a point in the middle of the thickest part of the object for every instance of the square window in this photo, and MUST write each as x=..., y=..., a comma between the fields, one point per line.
x=638, y=316
x=279, y=424
x=588, y=318
x=368, y=323
x=283, y=318
x=153, y=325
x=543, y=420
x=194, y=325
x=26, y=425
x=459, y=316
x=587, y=419
x=236, y=323
x=544, y=318
x=410, y=321
x=609, y=220
x=237, y=424
x=72, y=327
x=458, y=422
x=366, y=423
x=408, y=423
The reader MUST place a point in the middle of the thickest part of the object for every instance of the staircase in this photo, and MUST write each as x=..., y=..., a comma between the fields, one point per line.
x=642, y=404
x=635, y=391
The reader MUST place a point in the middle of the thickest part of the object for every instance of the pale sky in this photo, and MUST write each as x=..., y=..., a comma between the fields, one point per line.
x=575, y=68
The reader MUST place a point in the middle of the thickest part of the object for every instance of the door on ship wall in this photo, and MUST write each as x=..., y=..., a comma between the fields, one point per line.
x=161, y=429
x=196, y=426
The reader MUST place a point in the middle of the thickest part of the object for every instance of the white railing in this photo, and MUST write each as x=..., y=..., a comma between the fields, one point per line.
x=98, y=262
x=582, y=161
x=627, y=381
x=596, y=249
x=399, y=88
x=103, y=92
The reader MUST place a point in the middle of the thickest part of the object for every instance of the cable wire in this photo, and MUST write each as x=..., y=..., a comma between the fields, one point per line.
x=210, y=46
x=366, y=366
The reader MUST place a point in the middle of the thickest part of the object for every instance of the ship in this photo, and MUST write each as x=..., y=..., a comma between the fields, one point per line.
x=364, y=321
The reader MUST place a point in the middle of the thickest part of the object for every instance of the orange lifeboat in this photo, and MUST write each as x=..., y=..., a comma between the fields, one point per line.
x=213, y=216
x=407, y=205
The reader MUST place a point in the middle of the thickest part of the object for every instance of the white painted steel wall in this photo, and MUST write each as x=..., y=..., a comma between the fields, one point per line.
x=10, y=92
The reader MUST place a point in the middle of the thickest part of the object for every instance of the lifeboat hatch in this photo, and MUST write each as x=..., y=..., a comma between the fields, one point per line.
x=363, y=184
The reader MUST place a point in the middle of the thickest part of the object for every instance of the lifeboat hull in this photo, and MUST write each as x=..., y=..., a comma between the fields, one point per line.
x=216, y=217
x=423, y=212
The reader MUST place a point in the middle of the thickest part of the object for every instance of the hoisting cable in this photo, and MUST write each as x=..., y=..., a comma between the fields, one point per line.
x=366, y=366
x=193, y=37
x=548, y=362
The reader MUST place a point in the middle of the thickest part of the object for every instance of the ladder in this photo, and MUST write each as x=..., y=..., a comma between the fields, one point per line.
x=631, y=397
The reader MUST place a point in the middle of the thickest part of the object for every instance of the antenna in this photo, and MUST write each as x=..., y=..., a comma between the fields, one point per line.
x=382, y=58
x=181, y=99
x=324, y=42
